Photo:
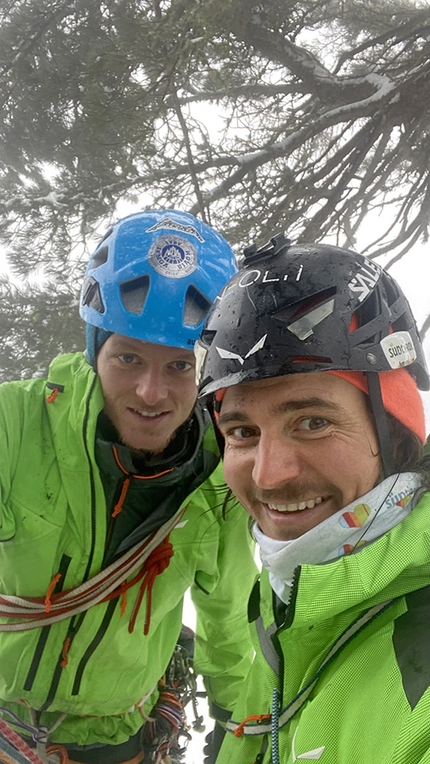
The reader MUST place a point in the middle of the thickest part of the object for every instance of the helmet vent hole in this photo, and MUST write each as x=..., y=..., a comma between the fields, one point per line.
x=208, y=336
x=134, y=294
x=196, y=306
x=91, y=295
x=100, y=257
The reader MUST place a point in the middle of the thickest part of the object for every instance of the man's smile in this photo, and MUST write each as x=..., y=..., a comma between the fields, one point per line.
x=296, y=507
x=147, y=414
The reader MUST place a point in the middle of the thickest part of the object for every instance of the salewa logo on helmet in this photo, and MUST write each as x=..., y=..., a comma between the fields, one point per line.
x=229, y=355
x=365, y=280
x=174, y=226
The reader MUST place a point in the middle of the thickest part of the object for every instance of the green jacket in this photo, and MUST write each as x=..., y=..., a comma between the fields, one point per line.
x=53, y=520
x=370, y=702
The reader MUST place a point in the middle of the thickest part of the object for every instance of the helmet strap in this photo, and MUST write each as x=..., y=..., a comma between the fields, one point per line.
x=210, y=405
x=381, y=422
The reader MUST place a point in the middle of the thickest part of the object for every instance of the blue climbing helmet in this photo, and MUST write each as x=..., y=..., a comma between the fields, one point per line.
x=153, y=277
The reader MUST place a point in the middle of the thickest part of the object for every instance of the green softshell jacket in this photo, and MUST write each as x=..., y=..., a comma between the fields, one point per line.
x=53, y=520
x=370, y=702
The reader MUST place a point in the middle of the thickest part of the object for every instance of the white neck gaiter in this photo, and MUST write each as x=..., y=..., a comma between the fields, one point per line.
x=361, y=522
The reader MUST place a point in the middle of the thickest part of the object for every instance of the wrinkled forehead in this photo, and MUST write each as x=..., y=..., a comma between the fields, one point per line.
x=293, y=392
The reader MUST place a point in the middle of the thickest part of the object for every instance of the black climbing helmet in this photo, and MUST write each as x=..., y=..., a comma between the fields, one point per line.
x=307, y=307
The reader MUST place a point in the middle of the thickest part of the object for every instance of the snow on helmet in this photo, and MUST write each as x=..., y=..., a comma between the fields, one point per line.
x=307, y=307
x=154, y=277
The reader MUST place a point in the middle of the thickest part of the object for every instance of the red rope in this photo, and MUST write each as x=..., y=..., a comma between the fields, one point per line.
x=17, y=742
x=149, y=558
x=156, y=563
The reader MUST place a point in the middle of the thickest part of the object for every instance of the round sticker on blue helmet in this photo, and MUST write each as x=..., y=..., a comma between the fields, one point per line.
x=173, y=256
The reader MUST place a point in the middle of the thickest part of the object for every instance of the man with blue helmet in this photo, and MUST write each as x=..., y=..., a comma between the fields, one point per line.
x=113, y=505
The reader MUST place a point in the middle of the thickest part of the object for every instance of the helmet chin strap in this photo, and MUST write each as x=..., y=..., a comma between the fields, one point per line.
x=381, y=422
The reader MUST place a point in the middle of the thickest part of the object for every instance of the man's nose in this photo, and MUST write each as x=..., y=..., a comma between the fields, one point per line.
x=277, y=461
x=151, y=387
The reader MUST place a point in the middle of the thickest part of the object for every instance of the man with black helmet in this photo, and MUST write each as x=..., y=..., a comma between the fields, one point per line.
x=311, y=362
x=113, y=504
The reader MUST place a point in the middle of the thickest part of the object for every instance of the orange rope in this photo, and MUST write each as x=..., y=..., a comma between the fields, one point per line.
x=51, y=398
x=51, y=588
x=118, y=506
x=255, y=718
x=65, y=652
x=59, y=749
x=138, y=477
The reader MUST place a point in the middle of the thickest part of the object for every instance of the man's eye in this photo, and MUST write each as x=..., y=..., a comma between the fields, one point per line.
x=241, y=433
x=182, y=365
x=127, y=358
x=314, y=423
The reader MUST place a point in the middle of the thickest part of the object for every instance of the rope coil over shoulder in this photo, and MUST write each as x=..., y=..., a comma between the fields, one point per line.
x=107, y=584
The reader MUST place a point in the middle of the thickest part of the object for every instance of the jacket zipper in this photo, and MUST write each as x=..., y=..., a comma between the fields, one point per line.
x=77, y=621
x=93, y=645
x=44, y=633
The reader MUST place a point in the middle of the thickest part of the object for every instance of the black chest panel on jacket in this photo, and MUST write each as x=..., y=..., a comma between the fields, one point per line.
x=411, y=641
x=157, y=486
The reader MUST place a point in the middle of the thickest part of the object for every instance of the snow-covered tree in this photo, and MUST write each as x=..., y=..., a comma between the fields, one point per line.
x=311, y=116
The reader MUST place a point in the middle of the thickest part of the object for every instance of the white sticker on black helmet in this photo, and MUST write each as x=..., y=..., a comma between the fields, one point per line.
x=303, y=327
x=173, y=225
x=399, y=349
x=365, y=280
x=173, y=256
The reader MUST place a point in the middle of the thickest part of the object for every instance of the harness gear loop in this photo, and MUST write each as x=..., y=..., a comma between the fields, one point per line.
x=283, y=716
x=168, y=720
x=238, y=732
